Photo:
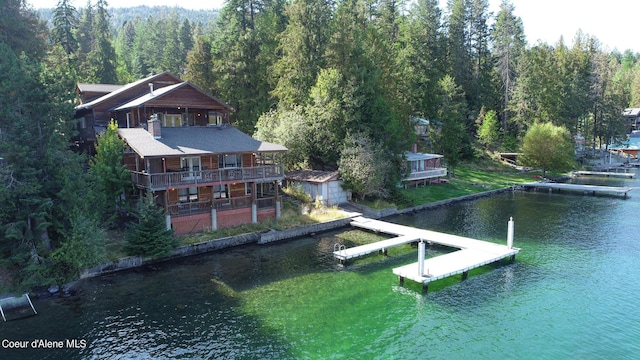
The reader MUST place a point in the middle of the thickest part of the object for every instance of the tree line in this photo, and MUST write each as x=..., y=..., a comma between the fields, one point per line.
x=337, y=82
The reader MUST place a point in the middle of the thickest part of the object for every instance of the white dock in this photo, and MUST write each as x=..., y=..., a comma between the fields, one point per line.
x=472, y=254
x=605, y=174
x=586, y=189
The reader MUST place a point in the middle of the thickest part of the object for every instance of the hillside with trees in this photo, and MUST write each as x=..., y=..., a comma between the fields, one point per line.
x=337, y=82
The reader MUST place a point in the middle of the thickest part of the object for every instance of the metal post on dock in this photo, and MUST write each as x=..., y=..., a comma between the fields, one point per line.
x=510, y=234
x=421, y=251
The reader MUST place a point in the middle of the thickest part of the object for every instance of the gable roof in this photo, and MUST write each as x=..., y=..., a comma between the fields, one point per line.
x=159, y=93
x=195, y=140
x=125, y=88
x=98, y=88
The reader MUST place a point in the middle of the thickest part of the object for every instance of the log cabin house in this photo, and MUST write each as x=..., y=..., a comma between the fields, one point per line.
x=204, y=172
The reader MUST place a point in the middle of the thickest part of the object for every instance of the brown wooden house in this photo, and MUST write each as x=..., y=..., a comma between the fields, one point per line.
x=204, y=172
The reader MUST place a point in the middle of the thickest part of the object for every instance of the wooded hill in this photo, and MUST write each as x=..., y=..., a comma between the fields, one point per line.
x=118, y=16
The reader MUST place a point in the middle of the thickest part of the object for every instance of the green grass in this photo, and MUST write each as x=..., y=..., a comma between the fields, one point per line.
x=469, y=179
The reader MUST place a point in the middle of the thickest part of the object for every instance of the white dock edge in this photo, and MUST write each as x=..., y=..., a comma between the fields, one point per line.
x=457, y=262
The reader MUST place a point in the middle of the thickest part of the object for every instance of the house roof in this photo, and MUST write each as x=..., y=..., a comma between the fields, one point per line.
x=631, y=112
x=195, y=140
x=165, y=91
x=411, y=156
x=98, y=88
x=315, y=176
x=124, y=88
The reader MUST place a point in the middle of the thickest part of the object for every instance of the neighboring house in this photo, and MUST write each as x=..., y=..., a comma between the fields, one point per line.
x=323, y=186
x=632, y=115
x=422, y=168
x=204, y=172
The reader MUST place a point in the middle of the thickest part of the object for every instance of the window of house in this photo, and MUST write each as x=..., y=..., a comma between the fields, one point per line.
x=230, y=161
x=188, y=194
x=171, y=120
x=221, y=192
x=190, y=167
x=215, y=118
x=247, y=188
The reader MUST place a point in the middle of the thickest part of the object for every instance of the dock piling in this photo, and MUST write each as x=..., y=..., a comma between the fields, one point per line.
x=510, y=234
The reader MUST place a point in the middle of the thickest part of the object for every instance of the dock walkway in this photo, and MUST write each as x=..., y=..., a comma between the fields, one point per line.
x=605, y=173
x=589, y=189
x=472, y=254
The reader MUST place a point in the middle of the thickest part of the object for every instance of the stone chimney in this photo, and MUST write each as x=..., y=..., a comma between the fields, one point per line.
x=414, y=148
x=153, y=126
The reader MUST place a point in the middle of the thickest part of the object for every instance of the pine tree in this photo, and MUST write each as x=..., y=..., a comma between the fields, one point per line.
x=65, y=22
x=148, y=236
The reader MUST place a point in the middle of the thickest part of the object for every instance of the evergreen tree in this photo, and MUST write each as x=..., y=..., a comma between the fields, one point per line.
x=21, y=28
x=508, y=45
x=172, y=59
x=452, y=139
x=302, y=45
x=124, y=47
x=65, y=22
x=111, y=176
x=199, y=70
x=148, y=236
x=102, y=57
x=422, y=57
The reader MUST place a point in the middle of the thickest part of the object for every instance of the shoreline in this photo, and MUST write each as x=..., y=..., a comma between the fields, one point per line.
x=260, y=238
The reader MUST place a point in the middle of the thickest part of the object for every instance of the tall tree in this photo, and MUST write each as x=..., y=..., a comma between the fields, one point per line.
x=102, y=57
x=241, y=58
x=453, y=137
x=65, y=22
x=198, y=66
x=302, y=45
x=421, y=59
x=110, y=176
x=508, y=43
x=21, y=28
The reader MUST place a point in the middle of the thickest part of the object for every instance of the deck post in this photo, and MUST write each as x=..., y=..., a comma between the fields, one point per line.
x=214, y=219
x=425, y=288
x=400, y=280
x=465, y=274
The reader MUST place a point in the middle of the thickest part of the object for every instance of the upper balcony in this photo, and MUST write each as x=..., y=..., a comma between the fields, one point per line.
x=162, y=181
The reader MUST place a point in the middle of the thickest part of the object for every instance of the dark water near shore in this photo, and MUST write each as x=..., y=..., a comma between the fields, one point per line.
x=571, y=293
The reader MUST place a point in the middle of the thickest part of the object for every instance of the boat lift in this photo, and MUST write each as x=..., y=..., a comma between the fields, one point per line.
x=16, y=307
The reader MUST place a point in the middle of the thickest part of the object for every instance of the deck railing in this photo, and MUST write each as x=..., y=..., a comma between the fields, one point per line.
x=160, y=181
x=426, y=174
x=202, y=207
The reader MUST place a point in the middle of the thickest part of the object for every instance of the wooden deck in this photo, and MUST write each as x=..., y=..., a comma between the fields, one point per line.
x=585, y=189
x=472, y=254
x=605, y=173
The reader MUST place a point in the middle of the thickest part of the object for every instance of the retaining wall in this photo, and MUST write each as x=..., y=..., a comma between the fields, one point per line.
x=270, y=236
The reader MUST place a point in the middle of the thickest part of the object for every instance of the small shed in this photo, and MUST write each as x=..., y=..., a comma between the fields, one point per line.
x=322, y=186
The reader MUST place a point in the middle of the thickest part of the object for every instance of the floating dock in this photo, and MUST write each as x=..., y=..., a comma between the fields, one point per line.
x=605, y=174
x=472, y=254
x=585, y=189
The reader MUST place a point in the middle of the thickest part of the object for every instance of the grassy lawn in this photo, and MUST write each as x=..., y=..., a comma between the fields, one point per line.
x=469, y=179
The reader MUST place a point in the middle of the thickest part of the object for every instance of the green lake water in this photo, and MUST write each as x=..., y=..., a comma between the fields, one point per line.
x=572, y=293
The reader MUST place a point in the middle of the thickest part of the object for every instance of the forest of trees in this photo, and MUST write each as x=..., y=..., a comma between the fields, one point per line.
x=337, y=82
